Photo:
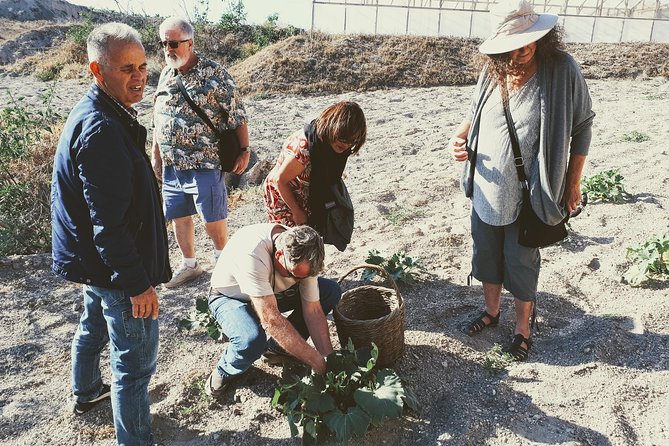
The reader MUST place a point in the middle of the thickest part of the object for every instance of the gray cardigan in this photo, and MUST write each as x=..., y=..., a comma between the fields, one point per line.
x=566, y=128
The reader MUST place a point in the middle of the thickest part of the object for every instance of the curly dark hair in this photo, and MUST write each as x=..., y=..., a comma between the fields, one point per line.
x=500, y=65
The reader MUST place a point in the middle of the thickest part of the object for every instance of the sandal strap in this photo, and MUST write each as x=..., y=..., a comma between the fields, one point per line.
x=517, y=350
x=478, y=324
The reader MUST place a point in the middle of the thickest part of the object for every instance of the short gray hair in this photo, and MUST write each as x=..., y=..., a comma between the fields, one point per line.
x=177, y=22
x=102, y=38
x=302, y=244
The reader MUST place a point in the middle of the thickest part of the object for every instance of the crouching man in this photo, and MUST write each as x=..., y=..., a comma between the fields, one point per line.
x=265, y=270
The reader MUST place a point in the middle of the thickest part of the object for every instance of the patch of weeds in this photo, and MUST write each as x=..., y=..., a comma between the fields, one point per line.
x=400, y=267
x=49, y=73
x=656, y=97
x=199, y=399
x=634, y=136
x=496, y=359
x=650, y=261
x=605, y=186
x=201, y=317
x=400, y=214
x=261, y=95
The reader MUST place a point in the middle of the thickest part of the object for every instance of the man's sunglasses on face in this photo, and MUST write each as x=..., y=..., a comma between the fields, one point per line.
x=174, y=44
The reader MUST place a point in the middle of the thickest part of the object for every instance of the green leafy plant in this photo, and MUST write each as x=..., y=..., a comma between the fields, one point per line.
x=635, y=136
x=234, y=17
x=26, y=157
x=496, y=359
x=651, y=260
x=400, y=267
x=400, y=214
x=353, y=394
x=198, y=400
x=201, y=317
x=605, y=186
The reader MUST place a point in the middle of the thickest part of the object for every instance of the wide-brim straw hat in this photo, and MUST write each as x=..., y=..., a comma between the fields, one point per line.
x=515, y=24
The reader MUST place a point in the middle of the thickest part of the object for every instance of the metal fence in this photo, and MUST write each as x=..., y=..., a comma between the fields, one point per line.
x=595, y=22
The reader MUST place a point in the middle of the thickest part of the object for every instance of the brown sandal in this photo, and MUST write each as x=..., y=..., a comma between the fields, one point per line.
x=478, y=324
x=516, y=348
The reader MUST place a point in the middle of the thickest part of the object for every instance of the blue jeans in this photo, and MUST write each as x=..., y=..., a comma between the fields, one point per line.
x=133, y=355
x=248, y=340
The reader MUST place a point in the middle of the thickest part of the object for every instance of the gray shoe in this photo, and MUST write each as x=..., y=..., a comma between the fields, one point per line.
x=216, y=385
x=184, y=275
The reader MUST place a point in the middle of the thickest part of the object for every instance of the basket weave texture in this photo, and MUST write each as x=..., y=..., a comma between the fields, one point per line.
x=372, y=313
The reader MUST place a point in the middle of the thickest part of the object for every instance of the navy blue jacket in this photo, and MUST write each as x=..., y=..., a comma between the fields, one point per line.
x=108, y=225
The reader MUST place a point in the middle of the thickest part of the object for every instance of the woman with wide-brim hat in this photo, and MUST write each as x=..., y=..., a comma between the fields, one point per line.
x=525, y=68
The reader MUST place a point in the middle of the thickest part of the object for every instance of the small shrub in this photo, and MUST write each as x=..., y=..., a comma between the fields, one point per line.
x=496, y=359
x=234, y=17
x=400, y=267
x=400, y=214
x=201, y=317
x=605, y=186
x=353, y=394
x=27, y=144
x=650, y=261
x=634, y=136
x=49, y=73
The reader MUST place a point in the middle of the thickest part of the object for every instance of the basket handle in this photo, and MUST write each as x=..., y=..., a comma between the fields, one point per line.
x=378, y=269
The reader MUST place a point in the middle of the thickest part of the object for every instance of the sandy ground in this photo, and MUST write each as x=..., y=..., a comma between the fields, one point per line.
x=598, y=373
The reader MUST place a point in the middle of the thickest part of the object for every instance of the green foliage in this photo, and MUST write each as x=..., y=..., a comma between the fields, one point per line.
x=400, y=214
x=25, y=225
x=79, y=32
x=634, y=136
x=49, y=73
x=651, y=261
x=400, y=267
x=198, y=401
x=353, y=394
x=496, y=359
x=234, y=17
x=605, y=186
x=657, y=97
x=201, y=317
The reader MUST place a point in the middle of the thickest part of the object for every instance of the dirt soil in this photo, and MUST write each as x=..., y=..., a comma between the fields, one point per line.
x=598, y=373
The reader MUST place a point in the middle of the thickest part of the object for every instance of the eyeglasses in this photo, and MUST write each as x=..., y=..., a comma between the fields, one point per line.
x=174, y=44
x=285, y=266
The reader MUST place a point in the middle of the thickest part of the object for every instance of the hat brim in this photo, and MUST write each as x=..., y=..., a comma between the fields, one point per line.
x=499, y=44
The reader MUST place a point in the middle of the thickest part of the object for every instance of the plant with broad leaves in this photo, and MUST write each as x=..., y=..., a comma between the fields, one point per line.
x=496, y=359
x=635, y=136
x=400, y=267
x=201, y=317
x=651, y=260
x=351, y=395
x=605, y=186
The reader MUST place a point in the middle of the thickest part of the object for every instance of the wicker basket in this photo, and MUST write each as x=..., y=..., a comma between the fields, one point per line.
x=372, y=313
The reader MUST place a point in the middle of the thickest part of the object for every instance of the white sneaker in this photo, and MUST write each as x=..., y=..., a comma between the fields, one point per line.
x=184, y=274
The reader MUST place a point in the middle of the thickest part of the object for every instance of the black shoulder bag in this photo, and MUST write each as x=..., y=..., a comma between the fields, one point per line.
x=533, y=232
x=228, y=144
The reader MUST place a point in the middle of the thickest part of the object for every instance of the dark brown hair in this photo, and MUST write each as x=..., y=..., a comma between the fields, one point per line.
x=343, y=121
x=499, y=65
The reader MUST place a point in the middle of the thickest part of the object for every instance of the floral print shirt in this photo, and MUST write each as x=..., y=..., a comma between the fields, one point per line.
x=296, y=146
x=185, y=140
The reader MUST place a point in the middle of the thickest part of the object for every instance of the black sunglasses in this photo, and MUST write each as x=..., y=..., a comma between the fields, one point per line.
x=174, y=44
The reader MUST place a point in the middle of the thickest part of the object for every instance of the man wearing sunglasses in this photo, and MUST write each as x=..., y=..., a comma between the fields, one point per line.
x=266, y=270
x=184, y=154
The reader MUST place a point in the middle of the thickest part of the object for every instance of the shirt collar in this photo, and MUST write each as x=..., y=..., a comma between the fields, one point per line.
x=120, y=108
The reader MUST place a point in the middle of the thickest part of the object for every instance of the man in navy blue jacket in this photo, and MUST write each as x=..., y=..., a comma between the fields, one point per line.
x=109, y=233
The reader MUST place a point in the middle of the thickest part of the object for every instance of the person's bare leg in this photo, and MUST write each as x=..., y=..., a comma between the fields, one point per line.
x=184, y=231
x=523, y=313
x=493, y=297
x=218, y=232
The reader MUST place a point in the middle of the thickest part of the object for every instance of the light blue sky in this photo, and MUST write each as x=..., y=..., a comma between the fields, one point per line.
x=293, y=12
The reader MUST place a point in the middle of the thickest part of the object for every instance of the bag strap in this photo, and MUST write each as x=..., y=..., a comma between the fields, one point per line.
x=198, y=110
x=517, y=156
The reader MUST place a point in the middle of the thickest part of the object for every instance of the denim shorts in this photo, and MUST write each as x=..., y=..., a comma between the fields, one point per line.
x=499, y=259
x=197, y=191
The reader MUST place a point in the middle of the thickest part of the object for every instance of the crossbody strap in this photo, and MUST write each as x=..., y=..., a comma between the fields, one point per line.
x=198, y=110
x=517, y=156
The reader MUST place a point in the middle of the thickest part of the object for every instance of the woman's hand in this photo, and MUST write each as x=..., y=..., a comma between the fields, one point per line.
x=458, y=148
